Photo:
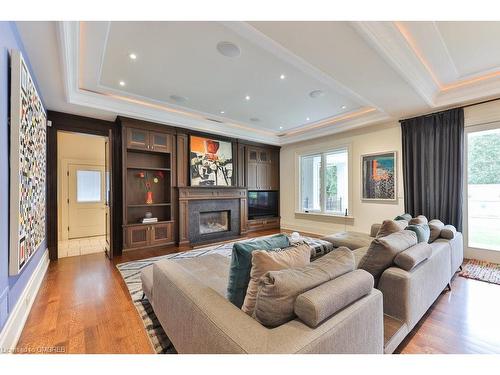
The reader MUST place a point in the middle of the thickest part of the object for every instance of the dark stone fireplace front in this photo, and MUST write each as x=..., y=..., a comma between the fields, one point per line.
x=213, y=220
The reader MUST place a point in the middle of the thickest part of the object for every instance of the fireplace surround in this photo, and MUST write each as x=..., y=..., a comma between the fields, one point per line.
x=211, y=214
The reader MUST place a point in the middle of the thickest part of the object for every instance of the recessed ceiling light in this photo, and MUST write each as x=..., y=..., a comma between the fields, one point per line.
x=316, y=94
x=307, y=119
x=228, y=49
x=122, y=83
x=247, y=97
x=282, y=76
x=132, y=56
x=178, y=98
x=344, y=107
x=281, y=127
x=222, y=112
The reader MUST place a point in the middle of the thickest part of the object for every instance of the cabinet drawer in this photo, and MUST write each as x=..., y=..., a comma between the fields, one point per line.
x=266, y=223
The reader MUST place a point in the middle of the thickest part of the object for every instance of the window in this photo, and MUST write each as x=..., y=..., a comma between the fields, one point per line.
x=324, y=189
x=88, y=186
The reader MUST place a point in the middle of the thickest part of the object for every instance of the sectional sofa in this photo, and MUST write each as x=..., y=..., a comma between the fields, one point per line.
x=189, y=298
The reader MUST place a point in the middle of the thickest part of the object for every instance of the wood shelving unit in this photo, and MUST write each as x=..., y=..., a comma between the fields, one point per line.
x=151, y=151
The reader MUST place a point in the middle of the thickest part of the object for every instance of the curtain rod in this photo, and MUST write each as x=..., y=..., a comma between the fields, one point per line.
x=444, y=110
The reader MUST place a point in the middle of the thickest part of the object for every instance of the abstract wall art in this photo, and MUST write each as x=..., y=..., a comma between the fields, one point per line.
x=27, y=166
x=211, y=162
x=379, y=176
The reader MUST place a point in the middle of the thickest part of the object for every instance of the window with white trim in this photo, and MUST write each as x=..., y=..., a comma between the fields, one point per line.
x=324, y=182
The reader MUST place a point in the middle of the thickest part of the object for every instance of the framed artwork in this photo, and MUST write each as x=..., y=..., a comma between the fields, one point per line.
x=378, y=176
x=211, y=162
x=28, y=166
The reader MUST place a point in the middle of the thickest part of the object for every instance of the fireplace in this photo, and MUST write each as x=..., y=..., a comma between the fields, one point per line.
x=211, y=220
x=214, y=222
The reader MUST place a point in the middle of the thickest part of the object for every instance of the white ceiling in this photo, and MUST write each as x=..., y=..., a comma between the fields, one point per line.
x=369, y=72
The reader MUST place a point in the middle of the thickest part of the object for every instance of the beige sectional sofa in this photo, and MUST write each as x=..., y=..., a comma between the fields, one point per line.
x=188, y=297
x=409, y=294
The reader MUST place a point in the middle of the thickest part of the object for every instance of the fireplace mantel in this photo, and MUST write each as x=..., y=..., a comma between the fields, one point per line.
x=189, y=194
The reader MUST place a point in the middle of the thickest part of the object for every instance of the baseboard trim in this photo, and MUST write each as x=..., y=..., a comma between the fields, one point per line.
x=15, y=323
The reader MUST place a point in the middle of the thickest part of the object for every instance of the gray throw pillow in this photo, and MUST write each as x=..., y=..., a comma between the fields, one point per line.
x=420, y=219
x=391, y=226
x=422, y=231
x=412, y=257
x=448, y=232
x=435, y=227
x=278, y=290
x=383, y=250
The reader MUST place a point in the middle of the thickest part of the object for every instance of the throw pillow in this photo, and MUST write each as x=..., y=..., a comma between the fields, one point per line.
x=382, y=251
x=448, y=232
x=264, y=261
x=241, y=263
x=435, y=226
x=422, y=231
x=412, y=257
x=406, y=217
x=391, y=226
x=278, y=290
x=420, y=219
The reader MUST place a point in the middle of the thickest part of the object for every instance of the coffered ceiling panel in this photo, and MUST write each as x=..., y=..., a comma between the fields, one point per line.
x=275, y=82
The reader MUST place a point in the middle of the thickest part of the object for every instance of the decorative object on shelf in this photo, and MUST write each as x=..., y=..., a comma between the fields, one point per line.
x=28, y=136
x=295, y=237
x=149, y=220
x=147, y=180
x=211, y=162
x=379, y=176
x=148, y=215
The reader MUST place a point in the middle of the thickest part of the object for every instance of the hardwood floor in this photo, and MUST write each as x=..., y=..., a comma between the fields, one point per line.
x=83, y=306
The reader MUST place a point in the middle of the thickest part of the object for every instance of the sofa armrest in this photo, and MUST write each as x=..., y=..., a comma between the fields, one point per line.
x=409, y=294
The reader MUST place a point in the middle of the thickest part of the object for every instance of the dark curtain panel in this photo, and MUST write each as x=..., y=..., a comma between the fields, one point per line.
x=433, y=161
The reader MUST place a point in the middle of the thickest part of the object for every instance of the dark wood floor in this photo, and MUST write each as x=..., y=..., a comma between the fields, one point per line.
x=83, y=306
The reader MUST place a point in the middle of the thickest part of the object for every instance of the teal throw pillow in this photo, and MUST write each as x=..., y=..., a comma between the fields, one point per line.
x=406, y=217
x=241, y=264
x=422, y=231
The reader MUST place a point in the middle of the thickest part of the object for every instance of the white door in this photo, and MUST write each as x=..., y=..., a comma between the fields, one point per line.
x=86, y=201
x=482, y=188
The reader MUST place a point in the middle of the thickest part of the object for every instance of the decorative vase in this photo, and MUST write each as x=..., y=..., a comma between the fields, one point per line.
x=149, y=197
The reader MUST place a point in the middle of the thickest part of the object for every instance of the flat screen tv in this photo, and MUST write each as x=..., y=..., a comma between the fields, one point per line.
x=262, y=204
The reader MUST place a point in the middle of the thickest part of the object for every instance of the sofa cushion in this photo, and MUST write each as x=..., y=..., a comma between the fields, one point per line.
x=406, y=217
x=318, y=304
x=264, y=261
x=391, y=226
x=412, y=257
x=421, y=230
x=241, y=263
x=435, y=227
x=420, y=219
x=448, y=232
x=382, y=251
x=351, y=240
x=278, y=290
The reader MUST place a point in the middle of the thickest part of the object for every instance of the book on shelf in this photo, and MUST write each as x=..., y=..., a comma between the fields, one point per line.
x=149, y=220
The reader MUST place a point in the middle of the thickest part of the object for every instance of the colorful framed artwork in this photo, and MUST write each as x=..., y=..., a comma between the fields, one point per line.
x=378, y=176
x=211, y=162
x=28, y=166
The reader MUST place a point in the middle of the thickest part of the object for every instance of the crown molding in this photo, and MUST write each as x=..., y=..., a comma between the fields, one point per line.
x=386, y=39
x=69, y=35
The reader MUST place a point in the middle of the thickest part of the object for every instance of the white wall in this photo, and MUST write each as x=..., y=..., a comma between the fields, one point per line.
x=380, y=138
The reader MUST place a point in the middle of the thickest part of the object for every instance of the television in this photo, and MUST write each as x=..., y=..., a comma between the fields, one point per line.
x=262, y=204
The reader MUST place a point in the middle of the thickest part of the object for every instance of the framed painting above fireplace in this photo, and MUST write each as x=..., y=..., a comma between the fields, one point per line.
x=211, y=162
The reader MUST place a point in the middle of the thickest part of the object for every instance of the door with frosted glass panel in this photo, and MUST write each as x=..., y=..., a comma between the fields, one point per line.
x=87, y=206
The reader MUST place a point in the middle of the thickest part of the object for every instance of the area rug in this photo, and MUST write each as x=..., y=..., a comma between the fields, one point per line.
x=481, y=270
x=131, y=273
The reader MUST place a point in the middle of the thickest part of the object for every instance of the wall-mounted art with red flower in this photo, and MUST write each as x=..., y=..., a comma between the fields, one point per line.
x=211, y=162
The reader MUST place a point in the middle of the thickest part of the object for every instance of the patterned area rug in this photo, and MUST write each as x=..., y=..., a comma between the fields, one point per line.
x=481, y=270
x=131, y=273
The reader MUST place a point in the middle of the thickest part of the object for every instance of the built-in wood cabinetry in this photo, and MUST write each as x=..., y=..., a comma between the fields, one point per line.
x=264, y=223
x=262, y=168
x=148, y=149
